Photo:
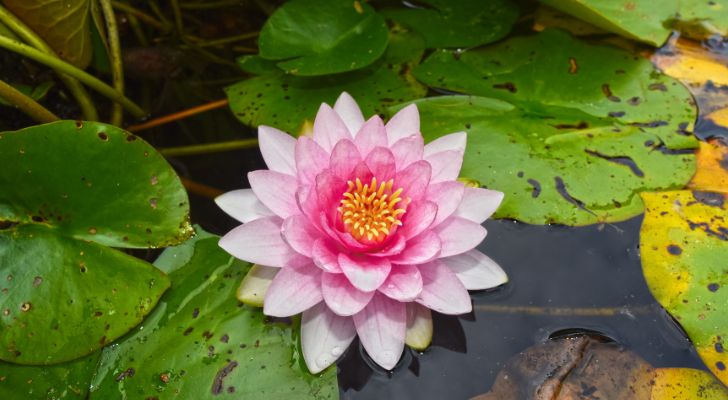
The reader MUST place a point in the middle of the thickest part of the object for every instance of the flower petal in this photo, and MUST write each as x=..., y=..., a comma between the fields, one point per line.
x=341, y=296
x=325, y=256
x=414, y=179
x=459, y=235
x=276, y=190
x=419, y=326
x=260, y=242
x=404, y=283
x=381, y=163
x=442, y=291
x=293, y=291
x=365, y=273
x=349, y=112
x=445, y=165
x=278, y=149
x=479, y=204
x=382, y=326
x=452, y=142
x=476, y=270
x=310, y=159
x=344, y=158
x=324, y=337
x=408, y=150
x=420, y=249
x=329, y=189
x=328, y=128
x=298, y=232
x=448, y=196
x=372, y=134
x=419, y=216
x=255, y=285
x=405, y=123
x=243, y=205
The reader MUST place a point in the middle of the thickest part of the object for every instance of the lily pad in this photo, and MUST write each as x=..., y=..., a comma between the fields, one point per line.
x=319, y=37
x=556, y=164
x=65, y=25
x=684, y=248
x=285, y=101
x=686, y=384
x=60, y=381
x=464, y=23
x=201, y=342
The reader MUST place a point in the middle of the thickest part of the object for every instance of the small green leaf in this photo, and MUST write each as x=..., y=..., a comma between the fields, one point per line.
x=36, y=93
x=60, y=381
x=201, y=342
x=285, y=101
x=319, y=37
x=463, y=23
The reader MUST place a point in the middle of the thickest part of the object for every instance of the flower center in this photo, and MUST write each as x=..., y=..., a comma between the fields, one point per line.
x=369, y=211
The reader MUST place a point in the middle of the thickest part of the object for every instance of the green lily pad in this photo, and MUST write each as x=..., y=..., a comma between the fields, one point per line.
x=649, y=21
x=319, y=37
x=65, y=25
x=60, y=381
x=285, y=101
x=463, y=23
x=201, y=342
x=556, y=164
x=92, y=181
x=684, y=248
x=62, y=298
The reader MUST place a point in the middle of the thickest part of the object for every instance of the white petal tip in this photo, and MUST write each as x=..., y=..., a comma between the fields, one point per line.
x=255, y=285
x=419, y=327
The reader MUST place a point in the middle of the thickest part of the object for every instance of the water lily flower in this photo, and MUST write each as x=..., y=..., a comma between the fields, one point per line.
x=362, y=228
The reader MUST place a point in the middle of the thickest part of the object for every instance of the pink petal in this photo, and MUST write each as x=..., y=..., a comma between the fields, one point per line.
x=330, y=189
x=420, y=249
x=476, y=270
x=372, y=134
x=278, y=149
x=446, y=165
x=382, y=326
x=448, y=196
x=349, y=112
x=459, y=235
x=260, y=242
x=328, y=128
x=479, y=204
x=394, y=247
x=419, y=326
x=365, y=273
x=414, y=179
x=344, y=158
x=452, y=142
x=298, y=232
x=403, y=284
x=310, y=159
x=324, y=337
x=442, y=291
x=405, y=123
x=277, y=191
x=243, y=205
x=326, y=256
x=381, y=163
x=293, y=291
x=419, y=216
x=408, y=150
x=341, y=297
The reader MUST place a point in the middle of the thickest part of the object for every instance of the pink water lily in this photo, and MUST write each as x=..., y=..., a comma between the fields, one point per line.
x=362, y=228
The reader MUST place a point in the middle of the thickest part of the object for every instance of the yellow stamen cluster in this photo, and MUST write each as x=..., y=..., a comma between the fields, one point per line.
x=369, y=210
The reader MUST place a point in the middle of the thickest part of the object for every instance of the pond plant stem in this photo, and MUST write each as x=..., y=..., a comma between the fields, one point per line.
x=25, y=104
x=177, y=116
x=201, y=189
x=208, y=148
x=88, y=110
x=141, y=15
x=117, y=70
x=64, y=67
x=565, y=311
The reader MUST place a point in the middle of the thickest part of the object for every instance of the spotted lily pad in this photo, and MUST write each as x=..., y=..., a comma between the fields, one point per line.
x=319, y=37
x=201, y=342
x=60, y=381
x=684, y=248
x=463, y=23
x=78, y=187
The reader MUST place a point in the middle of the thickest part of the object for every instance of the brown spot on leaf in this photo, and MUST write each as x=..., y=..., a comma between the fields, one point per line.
x=217, y=383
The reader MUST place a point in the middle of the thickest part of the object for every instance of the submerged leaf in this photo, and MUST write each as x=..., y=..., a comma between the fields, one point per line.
x=60, y=381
